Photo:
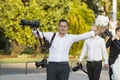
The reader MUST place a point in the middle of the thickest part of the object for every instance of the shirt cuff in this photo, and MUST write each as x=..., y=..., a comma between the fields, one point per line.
x=106, y=61
x=34, y=31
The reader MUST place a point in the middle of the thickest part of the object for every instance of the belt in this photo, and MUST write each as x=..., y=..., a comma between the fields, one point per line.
x=58, y=62
x=94, y=61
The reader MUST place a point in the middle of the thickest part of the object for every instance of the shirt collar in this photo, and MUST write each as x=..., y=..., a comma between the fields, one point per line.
x=59, y=35
x=97, y=36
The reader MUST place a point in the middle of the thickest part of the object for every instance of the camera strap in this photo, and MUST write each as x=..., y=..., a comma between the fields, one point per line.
x=52, y=39
x=81, y=67
x=40, y=41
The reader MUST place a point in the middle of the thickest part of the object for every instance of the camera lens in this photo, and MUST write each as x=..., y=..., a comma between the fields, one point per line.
x=42, y=63
x=75, y=68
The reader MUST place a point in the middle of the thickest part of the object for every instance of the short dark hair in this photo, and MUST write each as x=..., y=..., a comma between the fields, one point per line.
x=62, y=20
x=117, y=29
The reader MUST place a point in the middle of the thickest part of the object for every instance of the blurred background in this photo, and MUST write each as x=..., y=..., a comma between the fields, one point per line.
x=17, y=43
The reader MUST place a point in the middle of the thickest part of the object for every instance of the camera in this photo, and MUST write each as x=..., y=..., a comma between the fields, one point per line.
x=32, y=24
x=42, y=63
x=35, y=24
x=79, y=66
x=108, y=33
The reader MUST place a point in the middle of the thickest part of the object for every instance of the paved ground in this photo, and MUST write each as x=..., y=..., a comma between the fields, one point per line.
x=18, y=72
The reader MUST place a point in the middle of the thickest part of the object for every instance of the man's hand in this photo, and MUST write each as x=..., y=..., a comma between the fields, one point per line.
x=78, y=62
x=106, y=66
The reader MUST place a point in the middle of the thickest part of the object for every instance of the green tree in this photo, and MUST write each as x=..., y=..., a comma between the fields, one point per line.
x=95, y=5
x=118, y=9
x=11, y=13
x=53, y=10
x=48, y=12
x=99, y=6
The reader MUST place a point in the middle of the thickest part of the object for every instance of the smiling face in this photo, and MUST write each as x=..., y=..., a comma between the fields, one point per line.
x=62, y=27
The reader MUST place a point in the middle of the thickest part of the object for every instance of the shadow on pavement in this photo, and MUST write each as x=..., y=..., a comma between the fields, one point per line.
x=20, y=68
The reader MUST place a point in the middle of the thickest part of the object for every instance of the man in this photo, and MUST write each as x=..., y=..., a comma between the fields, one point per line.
x=58, y=67
x=114, y=44
x=95, y=47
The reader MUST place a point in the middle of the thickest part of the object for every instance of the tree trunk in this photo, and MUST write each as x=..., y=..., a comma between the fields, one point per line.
x=107, y=6
x=16, y=49
x=7, y=47
x=36, y=49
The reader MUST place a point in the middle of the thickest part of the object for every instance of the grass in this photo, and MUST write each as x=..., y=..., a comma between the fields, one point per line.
x=25, y=58
x=18, y=60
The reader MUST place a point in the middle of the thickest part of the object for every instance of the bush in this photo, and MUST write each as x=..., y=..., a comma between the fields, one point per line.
x=28, y=50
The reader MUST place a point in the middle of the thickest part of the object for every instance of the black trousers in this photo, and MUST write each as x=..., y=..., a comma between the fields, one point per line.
x=94, y=69
x=58, y=71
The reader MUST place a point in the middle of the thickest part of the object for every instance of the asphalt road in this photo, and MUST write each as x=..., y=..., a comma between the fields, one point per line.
x=18, y=71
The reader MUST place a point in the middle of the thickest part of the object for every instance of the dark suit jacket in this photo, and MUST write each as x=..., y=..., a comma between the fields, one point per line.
x=114, y=49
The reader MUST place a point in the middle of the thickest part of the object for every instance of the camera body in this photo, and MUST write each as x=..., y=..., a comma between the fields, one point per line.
x=76, y=68
x=42, y=63
x=32, y=24
x=35, y=24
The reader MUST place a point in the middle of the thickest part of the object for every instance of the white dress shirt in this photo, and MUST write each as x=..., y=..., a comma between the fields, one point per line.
x=59, y=50
x=95, y=47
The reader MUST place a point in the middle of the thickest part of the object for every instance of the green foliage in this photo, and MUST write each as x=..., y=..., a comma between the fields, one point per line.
x=28, y=50
x=48, y=12
x=118, y=9
x=92, y=4
x=80, y=17
x=11, y=13
x=20, y=59
x=99, y=6
x=107, y=4
x=53, y=10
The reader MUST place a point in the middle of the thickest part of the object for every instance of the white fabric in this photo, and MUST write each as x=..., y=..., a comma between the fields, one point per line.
x=113, y=25
x=101, y=20
x=60, y=47
x=116, y=69
x=95, y=47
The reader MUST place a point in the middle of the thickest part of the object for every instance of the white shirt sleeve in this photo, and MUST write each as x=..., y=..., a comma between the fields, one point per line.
x=84, y=36
x=47, y=35
x=104, y=52
x=35, y=33
x=84, y=50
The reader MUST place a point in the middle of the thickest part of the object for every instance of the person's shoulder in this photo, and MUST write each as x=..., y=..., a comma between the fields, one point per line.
x=70, y=35
x=100, y=38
